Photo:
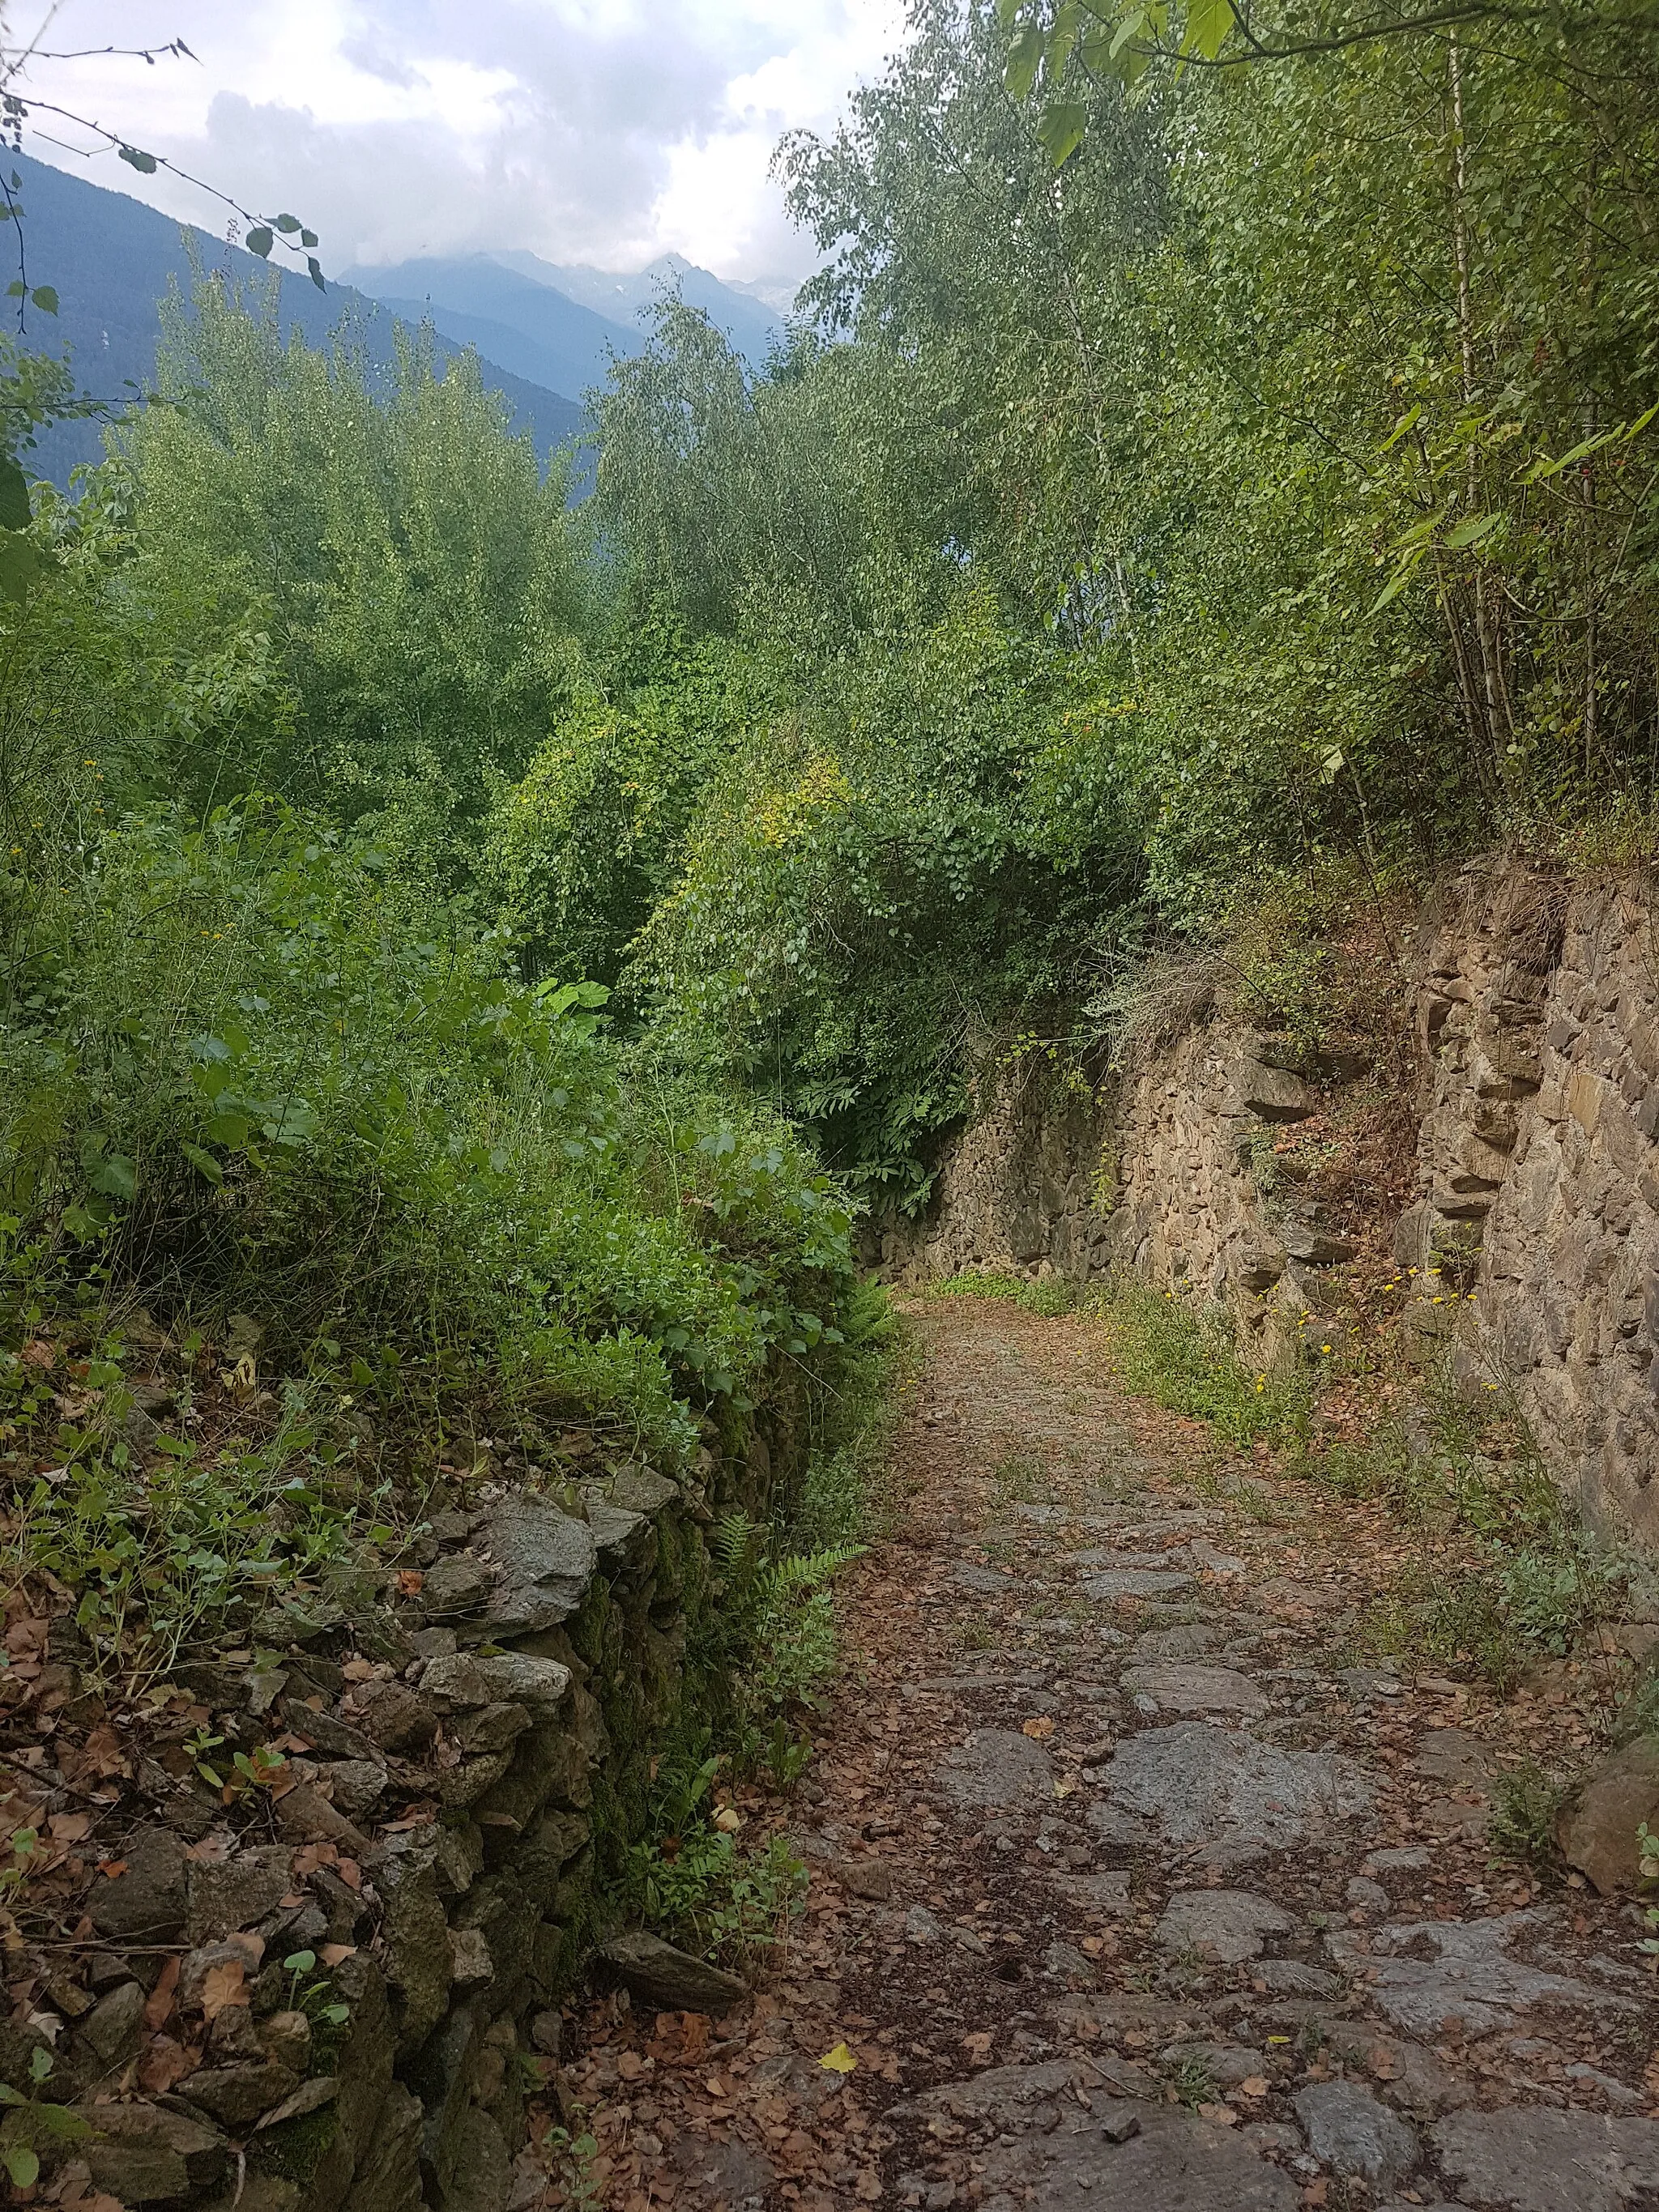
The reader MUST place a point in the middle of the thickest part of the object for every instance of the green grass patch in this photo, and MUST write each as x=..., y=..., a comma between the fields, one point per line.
x=1050, y=1296
x=1521, y=1826
x=1510, y=1575
x=1184, y=1357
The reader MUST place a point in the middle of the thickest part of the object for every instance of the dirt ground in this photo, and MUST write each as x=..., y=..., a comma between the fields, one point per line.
x=1133, y=1880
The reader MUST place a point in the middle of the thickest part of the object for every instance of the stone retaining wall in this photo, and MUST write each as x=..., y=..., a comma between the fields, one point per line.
x=462, y=1767
x=1537, y=1168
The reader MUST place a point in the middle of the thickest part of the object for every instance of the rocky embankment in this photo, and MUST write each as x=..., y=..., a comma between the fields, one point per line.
x=1531, y=1191
x=297, y=1919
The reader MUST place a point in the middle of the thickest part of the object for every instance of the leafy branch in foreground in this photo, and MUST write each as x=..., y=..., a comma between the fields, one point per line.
x=20, y=105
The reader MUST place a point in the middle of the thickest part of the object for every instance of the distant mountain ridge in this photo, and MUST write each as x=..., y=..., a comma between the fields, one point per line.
x=750, y=325
x=110, y=258
x=555, y=342
x=566, y=324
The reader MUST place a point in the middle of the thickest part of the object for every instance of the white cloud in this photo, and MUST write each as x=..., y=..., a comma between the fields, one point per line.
x=600, y=131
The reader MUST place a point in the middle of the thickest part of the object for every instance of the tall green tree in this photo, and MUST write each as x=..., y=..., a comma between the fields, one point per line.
x=416, y=576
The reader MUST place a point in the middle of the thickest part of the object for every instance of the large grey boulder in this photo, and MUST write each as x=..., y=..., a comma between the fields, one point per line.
x=1193, y=1689
x=147, y=1902
x=1471, y=1973
x=1355, y=2133
x=1196, y=1783
x=1597, y=1827
x=1173, y=2162
x=1530, y=2159
x=996, y=1768
x=544, y=1560
x=1226, y=1925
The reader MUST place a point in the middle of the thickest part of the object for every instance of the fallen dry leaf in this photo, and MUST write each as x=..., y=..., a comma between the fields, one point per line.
x=331, y=1954
x=1255, y=2086
x=160, y=1997
x=1040, y=1726
x=839, y=2060
x=222, y=1986
x=164, y=2065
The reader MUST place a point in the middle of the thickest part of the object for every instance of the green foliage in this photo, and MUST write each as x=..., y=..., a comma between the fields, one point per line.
x=1261, y=500
x=1185, y=1359
x=1522, y=1822
x=875, y=878
x=31, y=2124
x=257, y=1055
x=391, y=553
x=699, y=1885
x=201, y=1543
x=1051, y=1296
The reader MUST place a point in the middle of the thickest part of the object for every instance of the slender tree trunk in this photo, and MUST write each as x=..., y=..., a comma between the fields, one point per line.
x=1493, y=692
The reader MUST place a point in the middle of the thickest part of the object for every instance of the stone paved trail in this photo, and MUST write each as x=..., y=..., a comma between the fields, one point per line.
x=1131, y=1888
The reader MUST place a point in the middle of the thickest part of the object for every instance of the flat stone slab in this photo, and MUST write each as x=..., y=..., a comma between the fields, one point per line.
x=1012, y=2096
x=1452, y=1755
x=1429, y=1971
x=1365, y=1684
x=1193, y=1689
x=1198, y=1783
x=1106, y=1892
x=986, y=1580
x=1173, y=2163
x=1111, y=1557
x=1228, y=1924
x=544, y=1561
x=1529, y=2159
x=996, y=1767
x=672, y=1980
x=1166, y=1647
x=1136, y=1581
x=1291, y=1977
x=1353, y=2132
x=1425, y=1973
x=1204, y=1556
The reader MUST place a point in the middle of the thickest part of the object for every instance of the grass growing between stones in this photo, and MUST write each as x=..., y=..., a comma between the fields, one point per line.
x=1185, y=1359
x=1050, y=1296
x=1521, y=1826
x=1507, y=1574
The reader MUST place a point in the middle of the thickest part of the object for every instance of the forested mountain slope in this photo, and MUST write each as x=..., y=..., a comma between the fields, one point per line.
x=110, y=260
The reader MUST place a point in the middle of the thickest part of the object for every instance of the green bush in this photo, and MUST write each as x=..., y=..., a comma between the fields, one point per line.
x=256, y=1068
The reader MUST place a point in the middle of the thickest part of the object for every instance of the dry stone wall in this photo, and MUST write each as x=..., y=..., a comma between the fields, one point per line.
x=460, y=1764
x=1539, y=1014
x=1536, y=1003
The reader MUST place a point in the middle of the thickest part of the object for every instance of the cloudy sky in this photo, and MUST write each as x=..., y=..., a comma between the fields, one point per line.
x=601, y=131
